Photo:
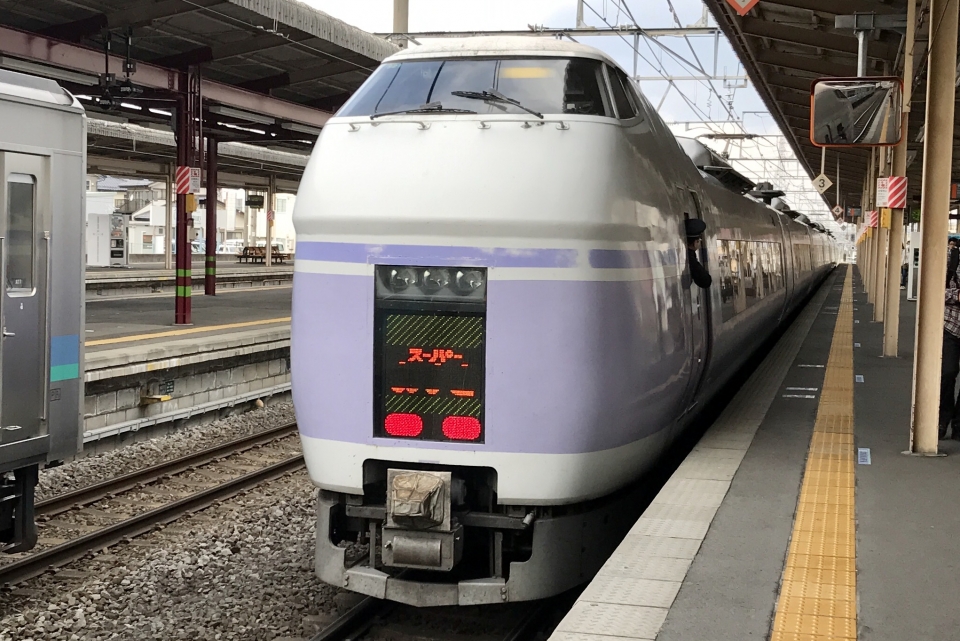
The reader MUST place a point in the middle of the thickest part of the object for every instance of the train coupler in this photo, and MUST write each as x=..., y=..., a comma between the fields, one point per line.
x=420, y=531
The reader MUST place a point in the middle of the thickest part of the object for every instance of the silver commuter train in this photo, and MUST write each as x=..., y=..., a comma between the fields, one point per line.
x=42, y=171
x=494, y=329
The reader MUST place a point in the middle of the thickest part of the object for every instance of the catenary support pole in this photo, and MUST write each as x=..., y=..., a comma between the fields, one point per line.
x=934, y=211
x=401, y=18
x=891, y=316
x=210, y=260
x=168, y=220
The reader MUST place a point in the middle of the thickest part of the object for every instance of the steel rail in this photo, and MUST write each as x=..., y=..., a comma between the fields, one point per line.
x=356, y=621
x=99, y=491
x=38, y=563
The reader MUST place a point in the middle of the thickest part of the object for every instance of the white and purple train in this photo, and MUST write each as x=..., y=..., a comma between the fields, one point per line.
x=495, y=333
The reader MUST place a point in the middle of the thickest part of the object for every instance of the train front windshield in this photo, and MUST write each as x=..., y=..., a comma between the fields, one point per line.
x=542, y=85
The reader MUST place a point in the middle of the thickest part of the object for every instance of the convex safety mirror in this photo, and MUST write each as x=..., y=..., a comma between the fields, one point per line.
x=864, y=112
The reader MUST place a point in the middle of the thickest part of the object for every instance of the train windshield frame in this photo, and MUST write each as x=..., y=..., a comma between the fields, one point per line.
x=546, y=85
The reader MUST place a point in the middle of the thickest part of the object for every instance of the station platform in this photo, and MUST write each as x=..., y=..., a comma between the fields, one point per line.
x=140, y=370
x=797, y=516
x=150, y=279
x=112, y=322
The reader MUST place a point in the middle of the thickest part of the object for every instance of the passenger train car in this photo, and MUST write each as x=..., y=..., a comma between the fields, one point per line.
x=495, y=333
x=42, y=171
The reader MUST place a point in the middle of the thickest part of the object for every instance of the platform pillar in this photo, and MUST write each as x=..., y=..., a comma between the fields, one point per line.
x=934, y=220
x=872, y=240
x=188, y=110
x=891, y=316
x=271, y=214
x=880, y=276
x=210, y=259
x=168, y=220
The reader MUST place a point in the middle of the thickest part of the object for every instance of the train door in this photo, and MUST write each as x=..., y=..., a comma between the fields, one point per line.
x=699, y=301
x=786, y=261
x=23, y=297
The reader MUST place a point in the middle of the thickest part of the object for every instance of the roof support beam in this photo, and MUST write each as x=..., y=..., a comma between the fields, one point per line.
x=833, y=7
x=306, y=75
x=253, y=44
x=810, y=37
x=135, y=15
x=78, y=58
x=816, y=66
x=331, y=103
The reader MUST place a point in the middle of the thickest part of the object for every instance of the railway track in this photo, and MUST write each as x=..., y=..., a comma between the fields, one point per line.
x=373, y=619
x=224, y=471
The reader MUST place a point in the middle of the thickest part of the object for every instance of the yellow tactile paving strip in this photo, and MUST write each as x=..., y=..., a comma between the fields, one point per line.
x=818, y=594
x=184, y=332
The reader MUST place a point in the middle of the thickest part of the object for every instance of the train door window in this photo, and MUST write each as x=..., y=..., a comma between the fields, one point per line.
x=21, y=241
x=626, y=110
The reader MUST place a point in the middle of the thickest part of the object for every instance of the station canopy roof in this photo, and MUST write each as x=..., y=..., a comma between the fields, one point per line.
x=273, y=71
x=786, y=44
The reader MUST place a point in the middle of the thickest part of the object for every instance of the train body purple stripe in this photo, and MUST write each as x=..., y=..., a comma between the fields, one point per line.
x=437, y=255
x=570, y=365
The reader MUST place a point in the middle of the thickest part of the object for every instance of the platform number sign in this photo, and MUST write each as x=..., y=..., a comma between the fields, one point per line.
x=837, y=210
x=821, y=183
x=742, y=6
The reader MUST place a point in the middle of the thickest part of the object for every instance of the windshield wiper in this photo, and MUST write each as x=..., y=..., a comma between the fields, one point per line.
x=429, y=108
x=494, y=96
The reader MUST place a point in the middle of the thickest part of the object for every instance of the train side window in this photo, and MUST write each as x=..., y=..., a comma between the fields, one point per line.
x=727, y=292
x=626, y=110
x=750, y=286
x=21, y=241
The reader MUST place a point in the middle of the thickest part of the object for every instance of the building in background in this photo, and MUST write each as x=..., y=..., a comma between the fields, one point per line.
x=145, y=204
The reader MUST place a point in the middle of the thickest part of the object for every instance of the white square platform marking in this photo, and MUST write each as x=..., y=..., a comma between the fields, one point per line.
x=629, y=591
x=636, y=544
x=658, y=569
x=629, y=621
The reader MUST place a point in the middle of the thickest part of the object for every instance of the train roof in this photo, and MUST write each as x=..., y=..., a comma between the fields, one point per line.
x=499, y=46
x=20, y=85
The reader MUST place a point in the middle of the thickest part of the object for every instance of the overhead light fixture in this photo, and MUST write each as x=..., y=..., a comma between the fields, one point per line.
x=230, y=125
x=241, y=115
x=128, y=105
x=160, y=112
x=303, y=129
x=47, y=72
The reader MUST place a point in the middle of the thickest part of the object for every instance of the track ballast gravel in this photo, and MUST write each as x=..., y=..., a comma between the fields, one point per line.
x=136, y=456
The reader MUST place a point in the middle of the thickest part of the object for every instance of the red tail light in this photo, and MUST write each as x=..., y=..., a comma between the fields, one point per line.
x=461, y=428
x=403, y=425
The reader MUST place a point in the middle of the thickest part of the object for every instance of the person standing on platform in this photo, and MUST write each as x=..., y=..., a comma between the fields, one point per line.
x=950, y=365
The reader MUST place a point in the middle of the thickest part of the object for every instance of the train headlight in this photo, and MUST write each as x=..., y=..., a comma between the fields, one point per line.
x=468, y=281
x=434, y=280
x=400, y=278
x=463, y=285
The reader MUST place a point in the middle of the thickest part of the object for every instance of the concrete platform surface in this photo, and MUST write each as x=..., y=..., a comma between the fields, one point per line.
x=774, y=528
x=114, y=323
